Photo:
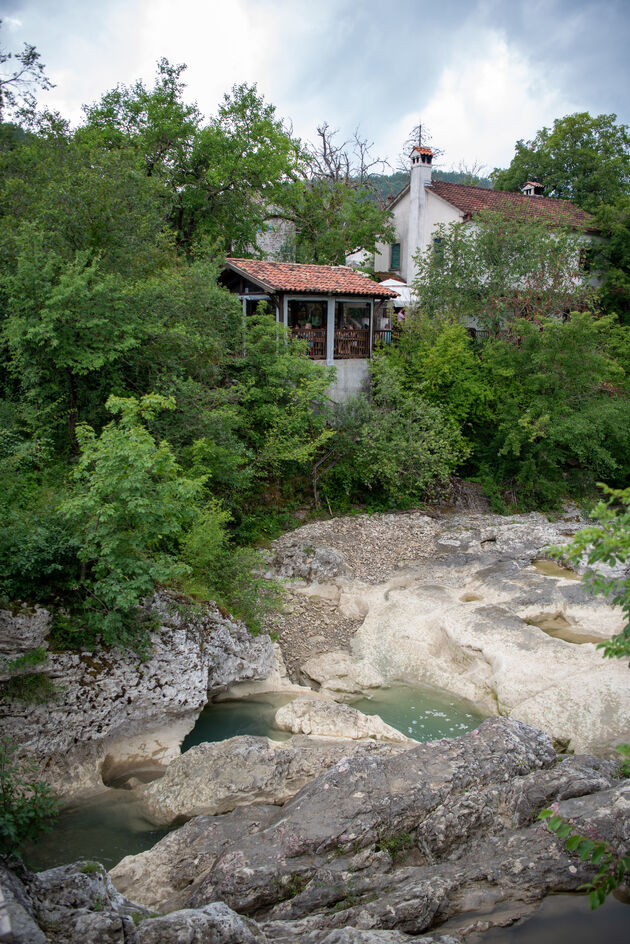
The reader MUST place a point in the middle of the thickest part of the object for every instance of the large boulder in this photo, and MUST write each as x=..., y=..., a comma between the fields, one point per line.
x=113, y=713
x=461, y=809
x=218, y=777
x=324, y=718
x=383, y=845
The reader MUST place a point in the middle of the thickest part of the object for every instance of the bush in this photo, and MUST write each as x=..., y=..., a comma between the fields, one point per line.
x=230, y=576
x=27, y=808
x=131, y=507
x=392, y=447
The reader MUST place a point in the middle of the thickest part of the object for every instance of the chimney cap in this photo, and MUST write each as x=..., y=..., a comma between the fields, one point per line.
x=421, y=149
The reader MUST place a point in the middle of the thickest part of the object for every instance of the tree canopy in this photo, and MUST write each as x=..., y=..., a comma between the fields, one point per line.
x=581, y=158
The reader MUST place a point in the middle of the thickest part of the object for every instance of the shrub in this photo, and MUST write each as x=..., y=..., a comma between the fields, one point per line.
x=27, y=808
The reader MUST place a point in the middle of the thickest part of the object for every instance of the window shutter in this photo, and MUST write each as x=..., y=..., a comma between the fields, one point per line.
x=395, y=256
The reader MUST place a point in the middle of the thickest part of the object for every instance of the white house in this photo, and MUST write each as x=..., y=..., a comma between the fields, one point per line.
x=425, y=203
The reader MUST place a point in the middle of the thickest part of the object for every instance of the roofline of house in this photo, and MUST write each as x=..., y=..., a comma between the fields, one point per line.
x=275, y=290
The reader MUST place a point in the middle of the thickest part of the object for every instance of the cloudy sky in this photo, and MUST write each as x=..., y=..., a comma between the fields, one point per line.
x=479, y=73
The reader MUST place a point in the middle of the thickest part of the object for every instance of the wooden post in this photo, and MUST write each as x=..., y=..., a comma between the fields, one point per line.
x=330, y=332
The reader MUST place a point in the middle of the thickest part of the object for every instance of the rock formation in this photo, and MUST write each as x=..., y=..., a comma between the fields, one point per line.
x=113, y=712
x=463, y=609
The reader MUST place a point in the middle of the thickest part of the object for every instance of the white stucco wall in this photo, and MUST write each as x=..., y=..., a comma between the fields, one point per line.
x=435, y=210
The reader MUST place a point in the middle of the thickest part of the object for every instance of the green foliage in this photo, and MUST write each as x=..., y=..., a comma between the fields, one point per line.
x=561, y=421
x=582, y=158
x=438, y=362
x=395, y=445
x=334, y=219
x=131, y=507
x=612, y=866
x=397, y=845
x=500, y=269
x=624, y=767
x=612, y=258
x=607, y=542
x=27, y=807
x=32, y=688
x=282, y=400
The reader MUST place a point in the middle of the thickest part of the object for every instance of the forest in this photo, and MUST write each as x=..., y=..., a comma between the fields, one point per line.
x=150, y=437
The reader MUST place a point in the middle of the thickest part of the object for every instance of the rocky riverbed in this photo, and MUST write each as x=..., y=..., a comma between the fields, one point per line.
x=348, y=832
x=455, y=602
x=437, y=842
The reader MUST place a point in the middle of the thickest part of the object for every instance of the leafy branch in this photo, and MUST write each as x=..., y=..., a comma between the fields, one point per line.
x=612, y=867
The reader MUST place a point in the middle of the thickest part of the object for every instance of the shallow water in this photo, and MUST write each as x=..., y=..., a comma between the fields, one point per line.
x=421, y=713
x=110, y=826
x=556, y=626
x=551, y=569
x=105, y=830
x=567, y=919
x=225, y=719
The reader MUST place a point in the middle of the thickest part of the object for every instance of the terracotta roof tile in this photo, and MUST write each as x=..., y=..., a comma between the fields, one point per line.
x=471, y=200
x=296, y=277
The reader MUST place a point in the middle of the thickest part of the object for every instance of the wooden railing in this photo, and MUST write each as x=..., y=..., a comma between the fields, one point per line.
x=316, y=338
x=352, y=342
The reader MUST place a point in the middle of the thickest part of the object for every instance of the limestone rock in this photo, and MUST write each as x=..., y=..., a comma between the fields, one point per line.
x=17, y=922
x=115, y=714
x=351, y=806
x=309, y=563
x=323, y=718
x=22, y=629
x=218, y=777
x=78, y=902
x=214, y=923
x=476, y=619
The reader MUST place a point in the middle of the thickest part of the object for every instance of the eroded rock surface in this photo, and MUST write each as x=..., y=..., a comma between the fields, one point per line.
x=218, y=777
x=394, y=844
x=323, y=718
x=114, y=713
x=456, y=603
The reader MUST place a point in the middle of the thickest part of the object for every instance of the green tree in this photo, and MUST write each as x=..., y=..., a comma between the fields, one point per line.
x=391, y=448
x=131, y=508
x=335, y=208
x=65, y=322
x=154, y=123
x=240, y=165
x=606, y=541
x=438, y=363
x=503, y=267
x=582, y=158
x=561, y=418
x=611, y=257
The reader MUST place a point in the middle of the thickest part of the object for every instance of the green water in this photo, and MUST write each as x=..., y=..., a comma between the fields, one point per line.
x=420, y=713
x=225, y=719
x=105, y=830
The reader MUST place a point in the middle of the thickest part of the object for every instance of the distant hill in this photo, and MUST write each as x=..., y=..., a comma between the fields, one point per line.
x=388, y=185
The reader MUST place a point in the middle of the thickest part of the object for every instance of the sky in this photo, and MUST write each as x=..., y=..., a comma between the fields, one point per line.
x=479, y=74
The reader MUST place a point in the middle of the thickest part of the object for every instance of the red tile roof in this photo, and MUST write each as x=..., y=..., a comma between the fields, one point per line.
x=423, y=150
x=471, y=200
x=295, y=277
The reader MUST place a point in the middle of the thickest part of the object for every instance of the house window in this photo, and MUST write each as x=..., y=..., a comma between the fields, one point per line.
x=303, y=313
x=438, y=250
x=586, y=258
x=395, y=256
